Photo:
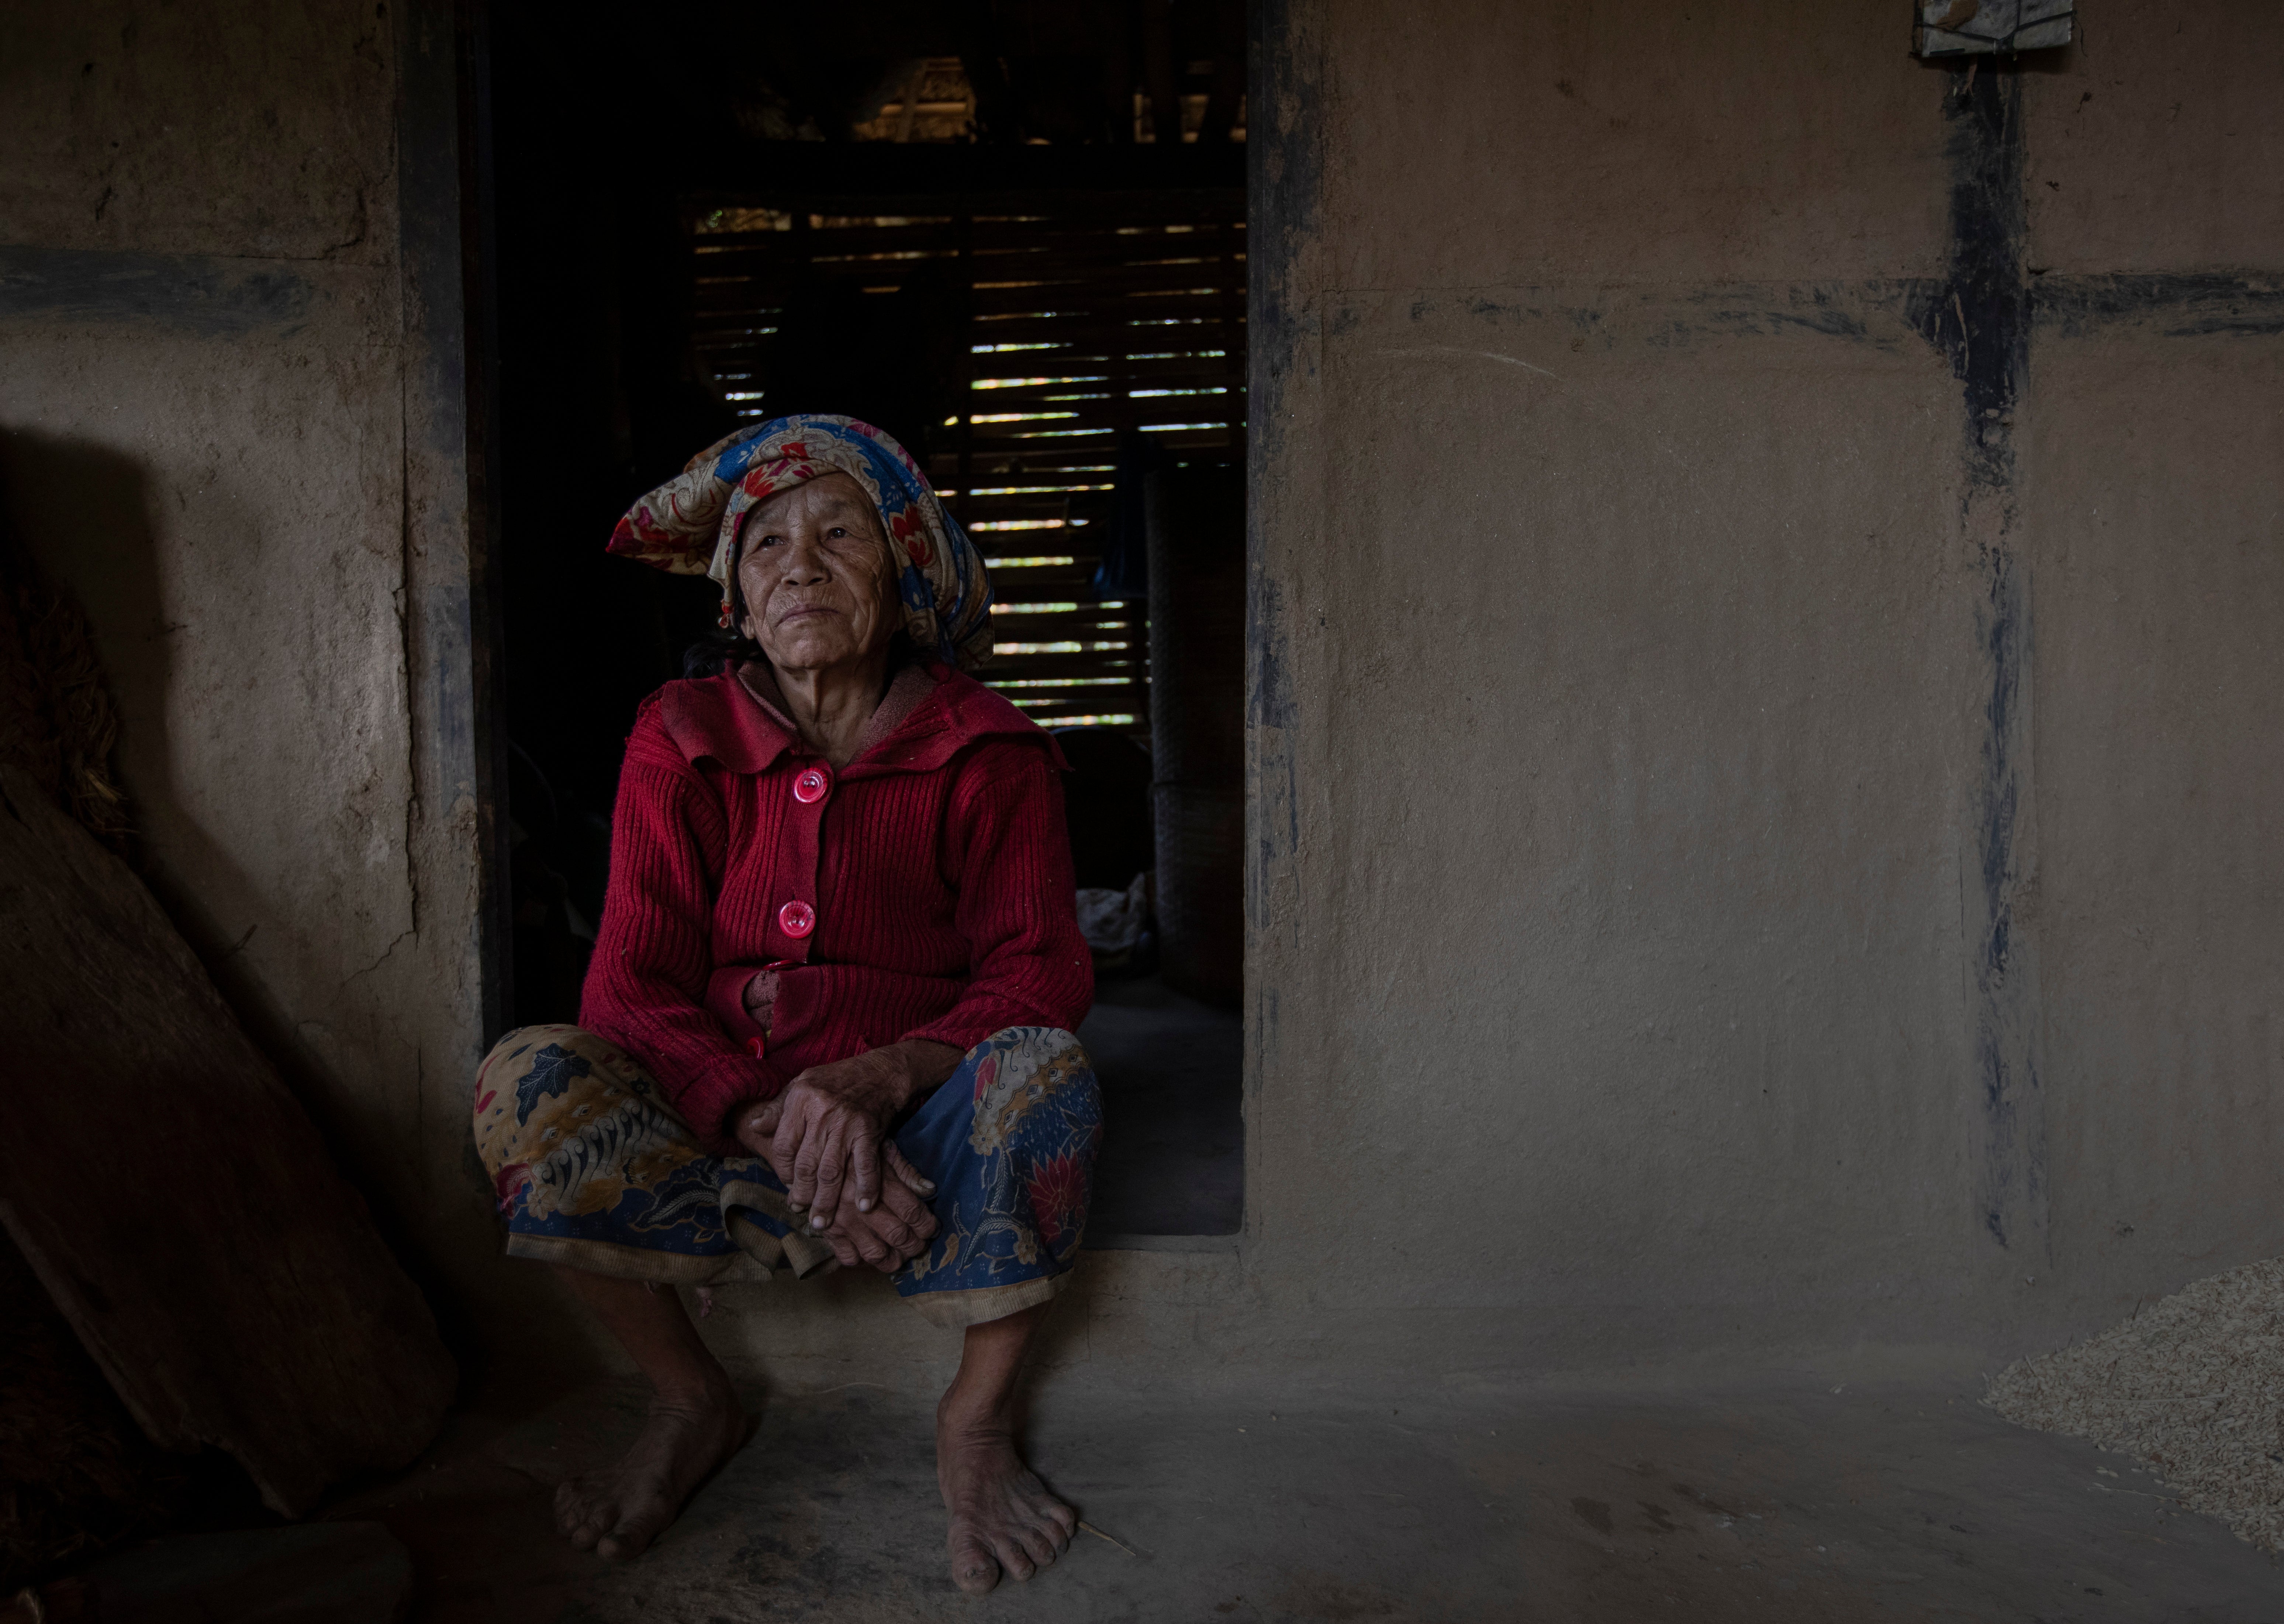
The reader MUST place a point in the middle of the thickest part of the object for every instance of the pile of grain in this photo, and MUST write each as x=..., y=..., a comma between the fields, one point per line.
x=2192, y=1387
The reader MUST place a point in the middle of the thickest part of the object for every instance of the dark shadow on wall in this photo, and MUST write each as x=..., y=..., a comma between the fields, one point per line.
x=79, y=516
x=77, y=512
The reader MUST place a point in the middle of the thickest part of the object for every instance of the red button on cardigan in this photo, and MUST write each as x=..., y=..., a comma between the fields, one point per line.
x=934, y=877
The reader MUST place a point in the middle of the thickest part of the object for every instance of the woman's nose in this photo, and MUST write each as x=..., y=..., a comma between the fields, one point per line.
x=804, y=561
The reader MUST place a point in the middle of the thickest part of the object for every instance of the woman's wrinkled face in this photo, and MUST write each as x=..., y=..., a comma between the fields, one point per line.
x=817, y=576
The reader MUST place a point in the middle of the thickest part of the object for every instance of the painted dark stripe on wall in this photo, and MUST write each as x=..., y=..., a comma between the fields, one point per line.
x=1979, y=317
x=193, y=294
x=2170, y=305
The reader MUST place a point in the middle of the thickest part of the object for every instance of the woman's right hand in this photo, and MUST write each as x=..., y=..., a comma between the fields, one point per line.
x=832, y=1136
x=882, y=1237
x=903, y=1199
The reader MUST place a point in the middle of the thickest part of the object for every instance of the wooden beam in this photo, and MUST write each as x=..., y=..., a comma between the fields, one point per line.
x=175, y=1199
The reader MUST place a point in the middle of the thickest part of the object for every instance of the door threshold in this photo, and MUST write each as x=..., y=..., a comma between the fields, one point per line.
x=1159, y=1242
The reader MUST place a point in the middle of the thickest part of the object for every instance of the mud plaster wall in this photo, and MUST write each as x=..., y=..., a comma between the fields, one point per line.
x=1747, y=852
x=1766, y=685
x=1763, y=701
x=231, y=425
x=234, y=422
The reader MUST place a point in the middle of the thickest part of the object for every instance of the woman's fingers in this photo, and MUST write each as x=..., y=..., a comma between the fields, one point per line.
x=911, y=1177
x=905, y=1208
x=864, y=1171
x=810, y=1161
x=815, y=1170
x=829, y=1171
x=825, y=1150
x=899, y=1244
x=905, y=1190
x=759, y=1125
x=786, y=1146
x=875, y=1239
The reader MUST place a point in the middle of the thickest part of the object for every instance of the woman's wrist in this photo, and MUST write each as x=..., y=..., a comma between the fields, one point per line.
x=921, y=1067
x=882, y=1083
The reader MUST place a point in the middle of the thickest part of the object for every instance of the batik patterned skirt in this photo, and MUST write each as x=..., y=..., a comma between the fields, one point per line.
x=594, y=1168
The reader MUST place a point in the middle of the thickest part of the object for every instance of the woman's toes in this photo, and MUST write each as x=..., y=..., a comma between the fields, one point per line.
x=1035, y=1534
x=1014, y=1558
x=584, y=1511
x=973, y=1568
x=625, y=1542
x=636, y=1531
x=583, y=1522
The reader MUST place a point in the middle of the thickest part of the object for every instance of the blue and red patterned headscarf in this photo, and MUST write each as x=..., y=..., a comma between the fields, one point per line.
x=690, y=524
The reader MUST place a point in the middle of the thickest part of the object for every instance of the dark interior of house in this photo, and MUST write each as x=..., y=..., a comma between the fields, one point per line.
x=963, y=225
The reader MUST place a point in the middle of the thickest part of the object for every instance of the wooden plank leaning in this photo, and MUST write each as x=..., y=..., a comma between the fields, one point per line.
x=174, y=1196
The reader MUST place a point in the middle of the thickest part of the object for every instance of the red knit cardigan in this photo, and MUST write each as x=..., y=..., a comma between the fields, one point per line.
x=932, y=871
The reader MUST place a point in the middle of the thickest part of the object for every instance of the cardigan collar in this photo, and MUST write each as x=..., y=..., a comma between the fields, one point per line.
x=930, y=713
x=906, y=690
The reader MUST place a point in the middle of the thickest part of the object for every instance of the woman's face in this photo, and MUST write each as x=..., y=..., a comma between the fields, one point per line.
x=819, y=591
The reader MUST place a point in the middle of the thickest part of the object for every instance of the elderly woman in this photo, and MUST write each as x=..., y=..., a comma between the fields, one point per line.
x=829, y=1012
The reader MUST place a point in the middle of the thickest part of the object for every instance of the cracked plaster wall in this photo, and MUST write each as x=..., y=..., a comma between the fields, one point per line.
x=219, y=430
x=1749, y=855
x=1663, y=691
x=1619, y=701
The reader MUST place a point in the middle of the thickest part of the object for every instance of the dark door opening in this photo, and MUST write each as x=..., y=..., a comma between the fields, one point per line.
x=973, y=227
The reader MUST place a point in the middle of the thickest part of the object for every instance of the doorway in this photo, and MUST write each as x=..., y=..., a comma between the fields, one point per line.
x=1012, y=235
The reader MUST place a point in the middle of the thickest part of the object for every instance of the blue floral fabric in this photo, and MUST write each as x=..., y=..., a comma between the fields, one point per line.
x=594, y=1168
x=690, y=524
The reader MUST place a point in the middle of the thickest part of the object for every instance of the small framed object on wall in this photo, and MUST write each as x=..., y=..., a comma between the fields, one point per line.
x=1990, y=27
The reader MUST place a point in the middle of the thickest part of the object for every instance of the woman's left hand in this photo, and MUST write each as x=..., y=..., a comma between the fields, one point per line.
x=831, y=1130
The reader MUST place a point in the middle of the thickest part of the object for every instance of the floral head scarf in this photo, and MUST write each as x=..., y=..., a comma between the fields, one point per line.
x=690, y=524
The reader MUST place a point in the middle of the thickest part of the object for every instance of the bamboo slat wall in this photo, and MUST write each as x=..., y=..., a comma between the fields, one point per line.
x=1125, y=314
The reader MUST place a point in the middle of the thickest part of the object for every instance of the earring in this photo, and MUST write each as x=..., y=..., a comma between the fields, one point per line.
x=725, y=621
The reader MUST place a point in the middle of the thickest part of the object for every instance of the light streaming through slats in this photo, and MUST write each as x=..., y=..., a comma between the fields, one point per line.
x=1086, y=327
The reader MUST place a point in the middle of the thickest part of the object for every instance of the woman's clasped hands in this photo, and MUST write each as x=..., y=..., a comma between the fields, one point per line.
x=827, y=1138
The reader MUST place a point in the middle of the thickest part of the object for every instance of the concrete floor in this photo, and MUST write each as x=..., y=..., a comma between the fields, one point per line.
x=1761, y=1503
x=1173, y=1148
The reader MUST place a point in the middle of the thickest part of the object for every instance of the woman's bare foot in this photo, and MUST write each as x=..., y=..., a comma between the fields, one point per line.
x=618, y=1512
x=694, y=1426
x=1002, y=1516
